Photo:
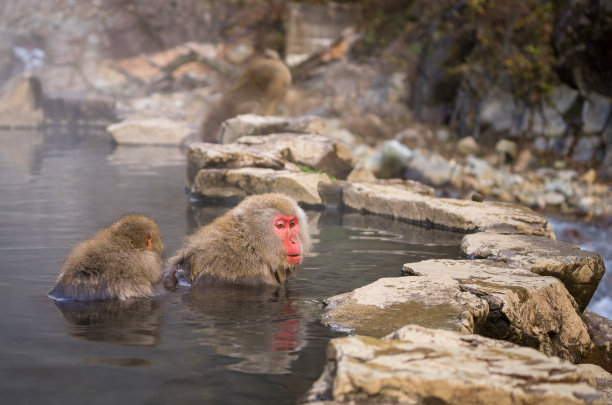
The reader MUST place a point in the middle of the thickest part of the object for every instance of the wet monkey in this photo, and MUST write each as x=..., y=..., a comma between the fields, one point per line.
x=258, y=90
x=123, y=260
x=262, y=241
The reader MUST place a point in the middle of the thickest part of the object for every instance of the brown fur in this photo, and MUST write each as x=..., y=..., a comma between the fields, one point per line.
x=258, y=90
x=114, y=263
x=241, y=247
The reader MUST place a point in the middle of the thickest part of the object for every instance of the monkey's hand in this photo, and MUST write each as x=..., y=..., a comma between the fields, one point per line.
x=169, y=280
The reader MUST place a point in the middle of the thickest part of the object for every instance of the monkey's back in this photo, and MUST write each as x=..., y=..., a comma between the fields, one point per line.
x=221, y=253
x=98, y=269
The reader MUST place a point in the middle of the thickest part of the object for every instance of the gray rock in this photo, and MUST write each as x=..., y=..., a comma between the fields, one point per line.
x=151, y=131
x=600, y=331
x=467, y=146
x=361, y=174
x=314, y=151
x=391, y=160
x=473, y=296
x=416, y=365
x=579, y=270
x=586, y=148
x=231, y=156
x=466, y=216
x=238, y=183
x=506, y=150
x=595, y=112
x=433, y=169
x=554, y=198
x=250, y=124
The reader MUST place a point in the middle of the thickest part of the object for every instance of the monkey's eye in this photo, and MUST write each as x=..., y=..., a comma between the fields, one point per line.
x=291, y=224
x=280, y=225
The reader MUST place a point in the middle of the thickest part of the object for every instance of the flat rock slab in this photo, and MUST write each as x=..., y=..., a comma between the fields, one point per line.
x=579, y=270
x=202, y=155
x=252, y=124
x=416, y=365
x=238, y=183
x=318, y=152
x=471, y=296
x=461, y=215
x=150, y=131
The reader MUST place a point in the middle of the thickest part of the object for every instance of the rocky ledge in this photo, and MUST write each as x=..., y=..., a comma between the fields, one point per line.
x=517, y=284
x=416, y=365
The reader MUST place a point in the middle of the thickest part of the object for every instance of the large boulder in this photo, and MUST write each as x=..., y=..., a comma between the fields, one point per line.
x=416, y=365
x=238, y=183
x=461, y=215
x=472, y=296
x=579, y=270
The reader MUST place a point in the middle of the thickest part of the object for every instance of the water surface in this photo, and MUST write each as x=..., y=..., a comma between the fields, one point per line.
x=220, y=346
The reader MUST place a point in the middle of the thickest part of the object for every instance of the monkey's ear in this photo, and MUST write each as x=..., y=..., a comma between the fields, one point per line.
x=148, y=240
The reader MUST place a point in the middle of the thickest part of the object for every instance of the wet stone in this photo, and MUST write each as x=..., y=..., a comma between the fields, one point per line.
x=579, y=270
x=471, y=296
x=416, y=365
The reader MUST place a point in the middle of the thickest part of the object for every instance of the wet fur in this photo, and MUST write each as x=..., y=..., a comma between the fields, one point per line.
x=113, y=263
x=241, y=247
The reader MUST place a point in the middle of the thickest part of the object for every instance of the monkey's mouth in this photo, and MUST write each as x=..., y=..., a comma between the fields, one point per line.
x=295, y=258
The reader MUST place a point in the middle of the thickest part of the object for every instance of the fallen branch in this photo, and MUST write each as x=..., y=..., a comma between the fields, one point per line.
x=338, y=49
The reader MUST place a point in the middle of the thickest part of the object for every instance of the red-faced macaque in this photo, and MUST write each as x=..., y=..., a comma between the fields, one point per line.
x=258, y=90
x=123, y=260
x=260, y=242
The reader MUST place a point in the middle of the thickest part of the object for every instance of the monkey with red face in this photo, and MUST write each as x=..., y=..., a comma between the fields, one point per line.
x=262, y=241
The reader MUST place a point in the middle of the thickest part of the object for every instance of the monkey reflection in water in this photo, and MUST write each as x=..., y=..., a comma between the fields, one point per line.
x=260, y=242
x=132, y=322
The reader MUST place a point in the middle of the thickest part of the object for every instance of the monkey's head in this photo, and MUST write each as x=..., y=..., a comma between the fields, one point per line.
x=139, y=232
x=278, y=229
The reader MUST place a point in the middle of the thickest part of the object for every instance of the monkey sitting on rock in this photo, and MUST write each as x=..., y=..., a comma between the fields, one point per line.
x=123, y=260
x=260, y=242
x=258, y=90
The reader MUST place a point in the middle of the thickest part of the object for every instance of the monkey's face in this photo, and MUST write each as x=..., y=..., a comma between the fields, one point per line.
x=287, y=228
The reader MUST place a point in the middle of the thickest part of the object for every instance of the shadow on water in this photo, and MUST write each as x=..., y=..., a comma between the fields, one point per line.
x=221, y=346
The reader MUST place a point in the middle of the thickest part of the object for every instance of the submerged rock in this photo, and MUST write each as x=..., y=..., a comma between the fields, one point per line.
x=416, y=365
x=471, y=296
x=579, y=270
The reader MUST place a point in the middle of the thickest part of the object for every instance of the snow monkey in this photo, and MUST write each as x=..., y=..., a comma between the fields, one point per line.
x=258, y=90
x=259, y=242
x=123, y=260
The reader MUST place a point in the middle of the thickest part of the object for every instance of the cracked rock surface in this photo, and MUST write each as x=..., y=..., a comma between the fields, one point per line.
x=416, y=365
x=471, y=296
x=579, y=270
